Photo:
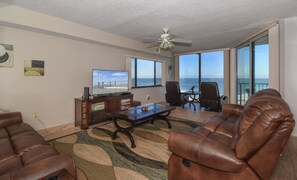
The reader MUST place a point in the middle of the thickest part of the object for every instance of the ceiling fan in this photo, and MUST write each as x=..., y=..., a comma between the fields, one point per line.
x=166, y=41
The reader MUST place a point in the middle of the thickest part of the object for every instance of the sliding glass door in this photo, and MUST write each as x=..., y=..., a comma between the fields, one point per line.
x=261, y=64
x=243, y=74
x=252, y=67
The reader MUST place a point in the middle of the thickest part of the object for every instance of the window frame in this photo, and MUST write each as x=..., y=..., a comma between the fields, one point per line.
x=134, y=86
x=199, y=60
x=251, y=44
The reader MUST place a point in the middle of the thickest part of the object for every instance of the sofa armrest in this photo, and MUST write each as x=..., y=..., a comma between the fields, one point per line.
x=232, y=109
x=47, y=167
x=204, y=151
x=7, y=119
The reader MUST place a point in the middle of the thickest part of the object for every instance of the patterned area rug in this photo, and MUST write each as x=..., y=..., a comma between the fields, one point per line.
x=97, y=156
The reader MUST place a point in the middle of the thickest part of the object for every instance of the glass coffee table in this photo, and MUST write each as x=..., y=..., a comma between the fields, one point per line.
x=136, y=117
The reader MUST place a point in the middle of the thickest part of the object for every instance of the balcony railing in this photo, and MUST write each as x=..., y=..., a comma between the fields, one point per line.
x=243, y=91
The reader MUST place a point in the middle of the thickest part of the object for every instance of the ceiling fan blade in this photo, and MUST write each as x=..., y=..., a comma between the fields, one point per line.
x=153, y=44
x=170, y=44
x=182, y=42
x=172, y=36
x=149, y=40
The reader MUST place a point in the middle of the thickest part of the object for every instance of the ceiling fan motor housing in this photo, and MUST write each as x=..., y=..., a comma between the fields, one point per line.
x=167, y=40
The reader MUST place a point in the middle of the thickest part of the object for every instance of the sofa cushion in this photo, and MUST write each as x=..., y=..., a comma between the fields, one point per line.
x=6, y=149
x=256, y=106
x=25, y=141
x=263, y=93
x=226, y=140
x=221, y=123
x=205, y=151
x=7, y=119
x=213, y=122
x=201, y=131
x=5, y=176
x=3, y=133
x=260, y=120
x=227, y=126
x=19, y=128
x=9, y=164
x=38, y=153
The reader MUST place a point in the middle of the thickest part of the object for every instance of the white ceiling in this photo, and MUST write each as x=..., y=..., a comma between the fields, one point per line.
x=211, y=24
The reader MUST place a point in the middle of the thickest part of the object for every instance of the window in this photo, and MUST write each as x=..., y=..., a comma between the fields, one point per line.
x=201, y=67
x=261, y=64
x=243, y=74
x=188, y=71
x=145, y=73
x=212, y=68
x=158, y=73
x=252, y=67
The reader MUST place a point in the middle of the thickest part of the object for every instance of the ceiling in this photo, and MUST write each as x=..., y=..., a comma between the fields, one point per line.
x=210, y=24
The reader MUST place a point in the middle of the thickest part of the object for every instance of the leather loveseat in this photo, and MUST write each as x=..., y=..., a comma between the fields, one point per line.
x=24, y=154
x=238, y=143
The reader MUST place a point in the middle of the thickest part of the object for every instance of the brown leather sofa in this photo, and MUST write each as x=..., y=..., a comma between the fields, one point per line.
x=24, y=154
x=238, y=143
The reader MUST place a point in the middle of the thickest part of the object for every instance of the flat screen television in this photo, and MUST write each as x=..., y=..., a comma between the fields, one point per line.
x=109, y=81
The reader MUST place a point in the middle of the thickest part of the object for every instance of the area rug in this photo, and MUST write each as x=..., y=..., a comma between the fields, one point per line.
x=97, y=156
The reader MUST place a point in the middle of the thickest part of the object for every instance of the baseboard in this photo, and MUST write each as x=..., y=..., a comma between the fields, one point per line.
x=58, y=131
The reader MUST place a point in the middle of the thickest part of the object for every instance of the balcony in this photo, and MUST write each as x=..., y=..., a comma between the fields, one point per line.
x=243, y=91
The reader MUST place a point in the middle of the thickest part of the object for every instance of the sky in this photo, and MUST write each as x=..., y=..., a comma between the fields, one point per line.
x=145, y=69
x=212, y=65
x=261, y=61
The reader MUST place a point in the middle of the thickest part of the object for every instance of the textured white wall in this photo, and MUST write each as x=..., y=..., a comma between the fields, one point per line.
x=290, y=65
x=68, y=65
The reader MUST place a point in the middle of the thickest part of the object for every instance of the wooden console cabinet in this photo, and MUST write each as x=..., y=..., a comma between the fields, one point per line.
x=91, y=111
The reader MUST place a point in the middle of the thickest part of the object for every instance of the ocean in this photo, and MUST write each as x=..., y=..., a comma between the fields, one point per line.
x=146, y=81
x=187, y=83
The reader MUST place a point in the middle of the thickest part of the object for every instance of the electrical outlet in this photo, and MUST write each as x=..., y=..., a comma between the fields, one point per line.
x=148, y=97
x=34, y=114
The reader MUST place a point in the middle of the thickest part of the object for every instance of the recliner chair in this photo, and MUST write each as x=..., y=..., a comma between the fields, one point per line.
x=209, y=97
x=173, y=94
x=242, y=142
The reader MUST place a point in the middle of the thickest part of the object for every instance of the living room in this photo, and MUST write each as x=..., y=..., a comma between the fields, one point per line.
x=71, y=50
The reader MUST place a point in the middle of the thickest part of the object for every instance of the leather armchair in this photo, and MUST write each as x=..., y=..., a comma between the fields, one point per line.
x=209, y=97
x=241, y=142
x=173, y=94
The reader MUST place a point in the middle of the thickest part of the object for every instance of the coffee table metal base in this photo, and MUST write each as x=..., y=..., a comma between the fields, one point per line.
x=129, y=129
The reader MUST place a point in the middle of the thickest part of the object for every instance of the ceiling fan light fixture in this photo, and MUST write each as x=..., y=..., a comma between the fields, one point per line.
x=167, y=40
x=164, y=45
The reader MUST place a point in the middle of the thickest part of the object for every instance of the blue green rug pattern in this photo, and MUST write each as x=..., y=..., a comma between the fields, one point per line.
x=97, y=156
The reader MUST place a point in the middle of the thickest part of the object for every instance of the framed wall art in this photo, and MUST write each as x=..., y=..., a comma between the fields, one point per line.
x=6, y=55
x=34, y=68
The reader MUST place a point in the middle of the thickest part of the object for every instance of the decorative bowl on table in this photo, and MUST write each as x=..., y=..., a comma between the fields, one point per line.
x=144, y=108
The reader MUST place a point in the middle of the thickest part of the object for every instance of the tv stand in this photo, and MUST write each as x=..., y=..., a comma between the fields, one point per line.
x=92, y=111
x=124, y=93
